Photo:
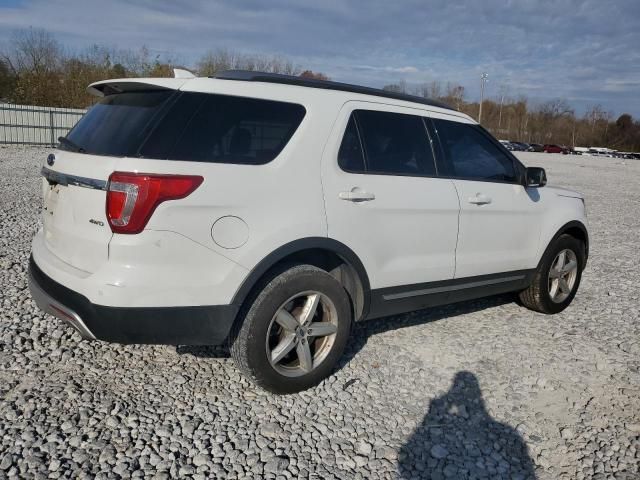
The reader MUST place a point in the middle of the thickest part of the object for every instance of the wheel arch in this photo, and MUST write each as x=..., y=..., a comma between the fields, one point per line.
x=576, y=229
x=329, y=254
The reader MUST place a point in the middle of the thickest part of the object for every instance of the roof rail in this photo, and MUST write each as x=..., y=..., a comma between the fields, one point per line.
x=252, y=76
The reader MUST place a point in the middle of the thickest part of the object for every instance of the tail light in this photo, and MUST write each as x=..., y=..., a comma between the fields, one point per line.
x=133, y=197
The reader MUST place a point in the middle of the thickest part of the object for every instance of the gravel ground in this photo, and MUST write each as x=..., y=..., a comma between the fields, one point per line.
x=483, y=389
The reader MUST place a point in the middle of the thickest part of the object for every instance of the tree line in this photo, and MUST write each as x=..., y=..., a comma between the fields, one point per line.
x=552, y=122
x=35, y=69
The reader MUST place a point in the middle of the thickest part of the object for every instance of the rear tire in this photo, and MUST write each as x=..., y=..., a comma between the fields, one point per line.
x=294, y=331
x=557, y=277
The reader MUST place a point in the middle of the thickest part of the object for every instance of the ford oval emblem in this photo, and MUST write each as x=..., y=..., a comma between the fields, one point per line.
x=51, y=159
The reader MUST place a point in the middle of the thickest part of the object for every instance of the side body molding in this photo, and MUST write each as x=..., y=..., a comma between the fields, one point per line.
x=402, y=298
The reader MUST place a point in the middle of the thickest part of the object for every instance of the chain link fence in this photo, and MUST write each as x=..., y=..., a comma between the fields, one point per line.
x=32, y=125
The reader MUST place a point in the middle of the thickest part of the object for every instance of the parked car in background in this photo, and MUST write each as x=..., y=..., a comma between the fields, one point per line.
x=507, y=144
x=520, y=146
x=625, y=155
x=535, y=147
x=550, y=148
x=601, y=152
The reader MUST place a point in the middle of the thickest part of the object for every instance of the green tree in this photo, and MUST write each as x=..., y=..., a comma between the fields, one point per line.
x=7, y=82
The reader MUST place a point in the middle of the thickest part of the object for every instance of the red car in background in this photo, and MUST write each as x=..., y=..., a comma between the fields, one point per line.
x=555, y=149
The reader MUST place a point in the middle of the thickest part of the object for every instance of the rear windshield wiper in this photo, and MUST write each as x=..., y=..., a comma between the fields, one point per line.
x=69, y=143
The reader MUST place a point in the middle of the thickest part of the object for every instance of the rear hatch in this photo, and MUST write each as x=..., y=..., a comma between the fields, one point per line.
x=75, y=177
x=74, y=219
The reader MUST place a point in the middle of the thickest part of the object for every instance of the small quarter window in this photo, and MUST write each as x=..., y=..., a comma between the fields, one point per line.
x=350, y=155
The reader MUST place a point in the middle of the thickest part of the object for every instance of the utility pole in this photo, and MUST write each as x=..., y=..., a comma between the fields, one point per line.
x=483, y=79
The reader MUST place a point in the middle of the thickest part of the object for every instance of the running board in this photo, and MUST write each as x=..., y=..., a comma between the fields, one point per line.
x=408, y=298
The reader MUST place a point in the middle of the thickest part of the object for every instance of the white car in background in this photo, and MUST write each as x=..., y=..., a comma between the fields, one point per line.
x=273, y=212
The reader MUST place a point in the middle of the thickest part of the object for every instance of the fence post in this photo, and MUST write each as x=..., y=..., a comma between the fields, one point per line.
x=53, y=134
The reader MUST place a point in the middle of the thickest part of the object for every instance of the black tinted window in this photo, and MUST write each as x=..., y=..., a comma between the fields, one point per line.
x=224, y=129
x=350, y=156
x=117, y=123
x=470, y=154
x=165, y=135
x=395, y=143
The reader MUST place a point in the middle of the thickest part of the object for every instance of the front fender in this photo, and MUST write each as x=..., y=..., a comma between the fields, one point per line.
x=552, y=232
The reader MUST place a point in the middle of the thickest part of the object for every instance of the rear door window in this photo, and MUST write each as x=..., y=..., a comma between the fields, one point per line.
x=470, y=154
x=117, y=124
x=224, y=129
x=394, y=144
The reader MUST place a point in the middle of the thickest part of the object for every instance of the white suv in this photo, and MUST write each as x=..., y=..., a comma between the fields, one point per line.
x=273, y=212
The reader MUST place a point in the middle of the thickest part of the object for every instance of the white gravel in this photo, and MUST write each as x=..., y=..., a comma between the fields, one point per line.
x=483, y=389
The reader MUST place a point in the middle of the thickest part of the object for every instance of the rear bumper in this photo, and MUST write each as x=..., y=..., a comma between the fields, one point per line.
x=197, y=325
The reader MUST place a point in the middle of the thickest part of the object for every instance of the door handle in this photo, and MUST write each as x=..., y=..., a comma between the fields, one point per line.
x=479, y=199
x=356, y=195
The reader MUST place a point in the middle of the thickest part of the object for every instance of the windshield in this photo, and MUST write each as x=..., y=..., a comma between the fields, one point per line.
x=117, y=124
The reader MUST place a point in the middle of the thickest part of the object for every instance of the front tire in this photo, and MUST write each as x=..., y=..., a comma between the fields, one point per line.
x=557, y=277
x=294, y=331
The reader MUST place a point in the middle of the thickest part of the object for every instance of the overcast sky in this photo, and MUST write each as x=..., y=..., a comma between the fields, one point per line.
x=587, y=52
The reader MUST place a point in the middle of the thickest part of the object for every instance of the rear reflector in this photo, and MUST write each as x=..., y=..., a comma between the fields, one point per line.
x=133, y=197
x=62, y=312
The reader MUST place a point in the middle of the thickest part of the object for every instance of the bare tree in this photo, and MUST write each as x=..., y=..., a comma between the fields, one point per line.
x=454, y=95
x=35, y=60
x=35, y=50
x=222, y=59
x=400, y=87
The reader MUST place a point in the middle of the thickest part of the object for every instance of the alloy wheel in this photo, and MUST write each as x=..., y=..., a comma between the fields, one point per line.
x=302, y=333
x=562, y=275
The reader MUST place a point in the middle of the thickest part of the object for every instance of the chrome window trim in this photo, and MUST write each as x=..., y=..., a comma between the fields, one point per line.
x=65, y=179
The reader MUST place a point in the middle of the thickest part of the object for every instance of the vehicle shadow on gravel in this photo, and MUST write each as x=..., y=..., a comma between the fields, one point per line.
x=459, y=439
x=204, y=351
x=363, y=330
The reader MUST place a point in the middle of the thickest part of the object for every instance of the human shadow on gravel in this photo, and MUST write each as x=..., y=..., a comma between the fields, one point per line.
x=459, y=439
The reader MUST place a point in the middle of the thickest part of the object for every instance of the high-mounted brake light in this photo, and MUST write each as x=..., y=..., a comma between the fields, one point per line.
x=133, y=197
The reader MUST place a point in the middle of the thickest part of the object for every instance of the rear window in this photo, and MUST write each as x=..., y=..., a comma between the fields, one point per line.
x=224, y=129
x=187, y=126
x=117, y=124
x=395, y=143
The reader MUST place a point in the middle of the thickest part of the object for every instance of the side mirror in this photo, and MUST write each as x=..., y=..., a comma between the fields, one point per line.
x=535, y=177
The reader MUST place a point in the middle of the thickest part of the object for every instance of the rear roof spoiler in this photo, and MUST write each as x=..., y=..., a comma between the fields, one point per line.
x=182, y=73
x=119, y=85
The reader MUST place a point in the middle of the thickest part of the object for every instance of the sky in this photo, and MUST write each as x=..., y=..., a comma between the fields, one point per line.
x=587, y=52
